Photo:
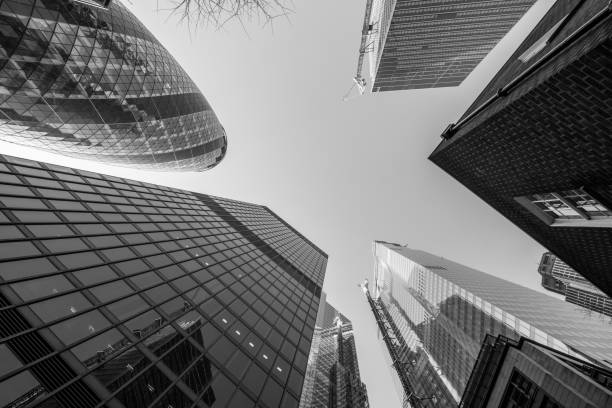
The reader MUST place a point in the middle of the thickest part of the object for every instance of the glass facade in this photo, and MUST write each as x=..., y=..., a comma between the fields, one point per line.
x=444, y=310
x=332, y=377
x=118, y=293
x=92, y=82
x=416, y=44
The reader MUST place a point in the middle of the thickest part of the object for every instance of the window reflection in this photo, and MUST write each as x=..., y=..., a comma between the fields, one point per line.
x=128, y=307
x=34, y=289
x=19, y=389
x=61, y=306
x=79, y=327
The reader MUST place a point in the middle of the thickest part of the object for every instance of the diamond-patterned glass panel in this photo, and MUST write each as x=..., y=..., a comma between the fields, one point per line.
x=94, y=83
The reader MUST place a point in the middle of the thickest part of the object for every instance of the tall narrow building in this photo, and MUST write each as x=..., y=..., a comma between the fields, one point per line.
x=558, y=277
x=409, y=44
x=535, y=145
x=87, y=79
x=438, y=313
x=332, y=378
x=124, y=294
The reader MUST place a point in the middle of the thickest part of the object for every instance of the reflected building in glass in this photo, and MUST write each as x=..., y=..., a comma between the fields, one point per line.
x=559, y=277
x=123, y=294
x=443, y=310
x=92, y=82
x=332, y=377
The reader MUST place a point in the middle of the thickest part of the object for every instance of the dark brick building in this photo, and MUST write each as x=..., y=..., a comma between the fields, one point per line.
x=537, y=143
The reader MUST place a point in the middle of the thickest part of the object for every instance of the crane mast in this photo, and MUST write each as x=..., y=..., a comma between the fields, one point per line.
x=395, y=344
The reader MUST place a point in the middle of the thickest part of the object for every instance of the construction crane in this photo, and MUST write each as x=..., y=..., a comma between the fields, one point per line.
x=396, y=346
x=358, y=82
x=365, y=47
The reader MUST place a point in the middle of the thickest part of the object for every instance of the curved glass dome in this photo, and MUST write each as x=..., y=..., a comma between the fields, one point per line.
x=94, y=83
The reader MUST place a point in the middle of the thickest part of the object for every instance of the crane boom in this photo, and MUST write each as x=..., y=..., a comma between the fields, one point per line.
x=395, y=345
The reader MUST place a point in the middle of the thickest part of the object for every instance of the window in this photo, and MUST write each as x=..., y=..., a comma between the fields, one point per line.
x=568, y=208
x=540, y=44
x=17, y=386
x=519, y=393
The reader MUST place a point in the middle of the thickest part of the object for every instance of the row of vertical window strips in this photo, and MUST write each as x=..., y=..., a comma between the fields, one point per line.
x=308, y=258
x=305, y=256
x=62, y=203
x=109, y=328
x=599, y=303
x=114, y=197
x=571, y=204
x=88, y=250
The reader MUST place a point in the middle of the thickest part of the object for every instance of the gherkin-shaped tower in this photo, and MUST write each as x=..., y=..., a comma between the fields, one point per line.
x=92, y=82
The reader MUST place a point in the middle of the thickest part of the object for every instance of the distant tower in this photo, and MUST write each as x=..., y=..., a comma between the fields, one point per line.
x=87, y=79
x=558, y=277
x=434, y=314
x=332, y=377
x=411, y=44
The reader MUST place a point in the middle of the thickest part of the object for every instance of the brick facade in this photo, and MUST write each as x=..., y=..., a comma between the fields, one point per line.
x=551, y=133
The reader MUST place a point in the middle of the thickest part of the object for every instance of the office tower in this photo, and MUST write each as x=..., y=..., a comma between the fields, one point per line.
x=87, y=79
x=119, y=293
x=535, y=144
x=558, y=277
x=440, y=311
x=526, y=374
x=332, y=377
x=410, y=44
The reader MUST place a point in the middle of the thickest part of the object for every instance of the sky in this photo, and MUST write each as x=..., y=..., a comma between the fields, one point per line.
x=342, y=173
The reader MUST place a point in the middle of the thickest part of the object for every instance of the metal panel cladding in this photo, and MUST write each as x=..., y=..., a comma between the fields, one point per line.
x=94, y=83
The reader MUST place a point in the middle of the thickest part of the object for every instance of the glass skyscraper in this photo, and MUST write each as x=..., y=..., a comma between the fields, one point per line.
x=414, y=44
x=559, y=277
x=117, y=293
x=443, y=310
x=332, y=377
x=94, y=83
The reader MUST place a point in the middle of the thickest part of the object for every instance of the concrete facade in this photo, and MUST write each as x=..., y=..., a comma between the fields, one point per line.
x=547, y=377
x=417, y=44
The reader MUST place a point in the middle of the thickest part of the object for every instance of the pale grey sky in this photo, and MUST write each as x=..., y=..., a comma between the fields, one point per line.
x=342, y=173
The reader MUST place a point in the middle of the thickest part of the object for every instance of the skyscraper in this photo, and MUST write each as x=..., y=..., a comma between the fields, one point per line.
x=535, y=145
x=119, y=293
x=558, y=277
x=92, y=82
x=441, y=312
x=415, y=44
x=332, y=377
